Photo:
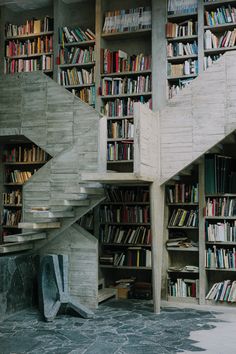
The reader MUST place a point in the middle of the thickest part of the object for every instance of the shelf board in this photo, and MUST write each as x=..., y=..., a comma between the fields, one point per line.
x=120, y=161
x=77, y=65
x=127, y=73
x=126, y=203
x=31, y=35
x=126, y=34
x=10, y=226
x=181, y=15
x=220, y=303
x=124, y=267
x=183, y=227
x=183, y=38
x=12, y=205
x=13, y=184
x=218, y=195
x=220, y=217
x=221, y=269
x=127, y=140
x=183, y=77
x=26, y=56
x=219, y=50
x=126, y=223
x=216, y=3
x=25, y=163
x=77, y=86
x=124, y=95
x=181, y=57
x=78, y=44
x=120, y=118
x=182, y=271
x=126, y=245
x=183, y=204
x=182, y=249
x=219, y=27
x=229, y=243
x=187, y=299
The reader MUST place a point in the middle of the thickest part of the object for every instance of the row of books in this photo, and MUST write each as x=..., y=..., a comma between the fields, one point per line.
x=76, y=55
x=123, y=214
x=75, y=77
x=124, y=195
x=86, y=221
x=114, y=234
x=220, y=258
x=17, y=176
x=186, y=28
x=87, y=95
x=12, y=198
x=127, y=20
x=228, y=39
x=223, y=291
x=10, y=217
x=21, y=153
x=209, y=60
x=29, y=47
x=182, y=193
x=220, y=174
x=180, y=49
x=183, y=287
x=187, y=68
x=120, y=129
x=181, y=242
x=174, y=89
x=133, y=257
x=221, y=231
x=28, y=65
x=183, y=217
x=182, y=6
x=68, y=35
x=123, y=151
x=33, y=26
x=121, y=107
x=120, y=61
x=118, y=86
x=221, y=16
x=220, y=207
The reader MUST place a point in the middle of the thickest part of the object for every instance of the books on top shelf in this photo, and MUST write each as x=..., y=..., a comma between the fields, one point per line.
x=121, y=107
x=189, y=67
x=12, y=66
x=120, y=129
x=181, y=242
x=68, y=35
x=184, y=218
x=224, y=291
x=122, y=151
x=118, y=86
x=127, y=195
x=225, y=40
x=220, y=258
x=181, y=49
x=221, y=231
x=121, y=235
x=182, y=193
x=17, y=176
x=29, y=47
x=224, y=206
x=220, y=174
x=12, y=198
x=76, y=55
x=183, y=29
x=183, y=287
x=75, y=77
x=87, y=95
x=10, y=217
x=119, y=61
x=33, y=26
x=175, y=88
x=182, y=6
x=127, y=20
x=125, y=214
x=220, y=16
x=186, y=268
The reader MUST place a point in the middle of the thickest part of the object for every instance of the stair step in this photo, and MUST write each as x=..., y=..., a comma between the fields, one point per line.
x=53, y=214
x=106, y=293
x=91, y=191
x=15, y=247
x=25, y=237
x=59, y=202
x=39, y=225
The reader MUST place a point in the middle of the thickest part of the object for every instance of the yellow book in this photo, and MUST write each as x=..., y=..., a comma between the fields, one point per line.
x=37, y=26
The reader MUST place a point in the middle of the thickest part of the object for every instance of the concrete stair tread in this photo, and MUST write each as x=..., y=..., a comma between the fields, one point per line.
x=40, y=225
x=15, y=247
x=72, y=202
x=53, y=214
x=25, y=237
x=106, y=293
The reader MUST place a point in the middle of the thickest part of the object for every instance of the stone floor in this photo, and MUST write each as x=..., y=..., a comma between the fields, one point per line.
x=119, y=327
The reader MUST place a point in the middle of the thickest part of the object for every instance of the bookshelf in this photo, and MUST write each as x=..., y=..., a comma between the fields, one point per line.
x=125, y=75
x=125, y=235
x=182, y=45
x=182, y=239
x=220, y=228
x=19, y=162
x=76, y=62
x=29, y=46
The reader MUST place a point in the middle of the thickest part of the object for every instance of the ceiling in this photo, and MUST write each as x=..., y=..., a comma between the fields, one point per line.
x=19, y=5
